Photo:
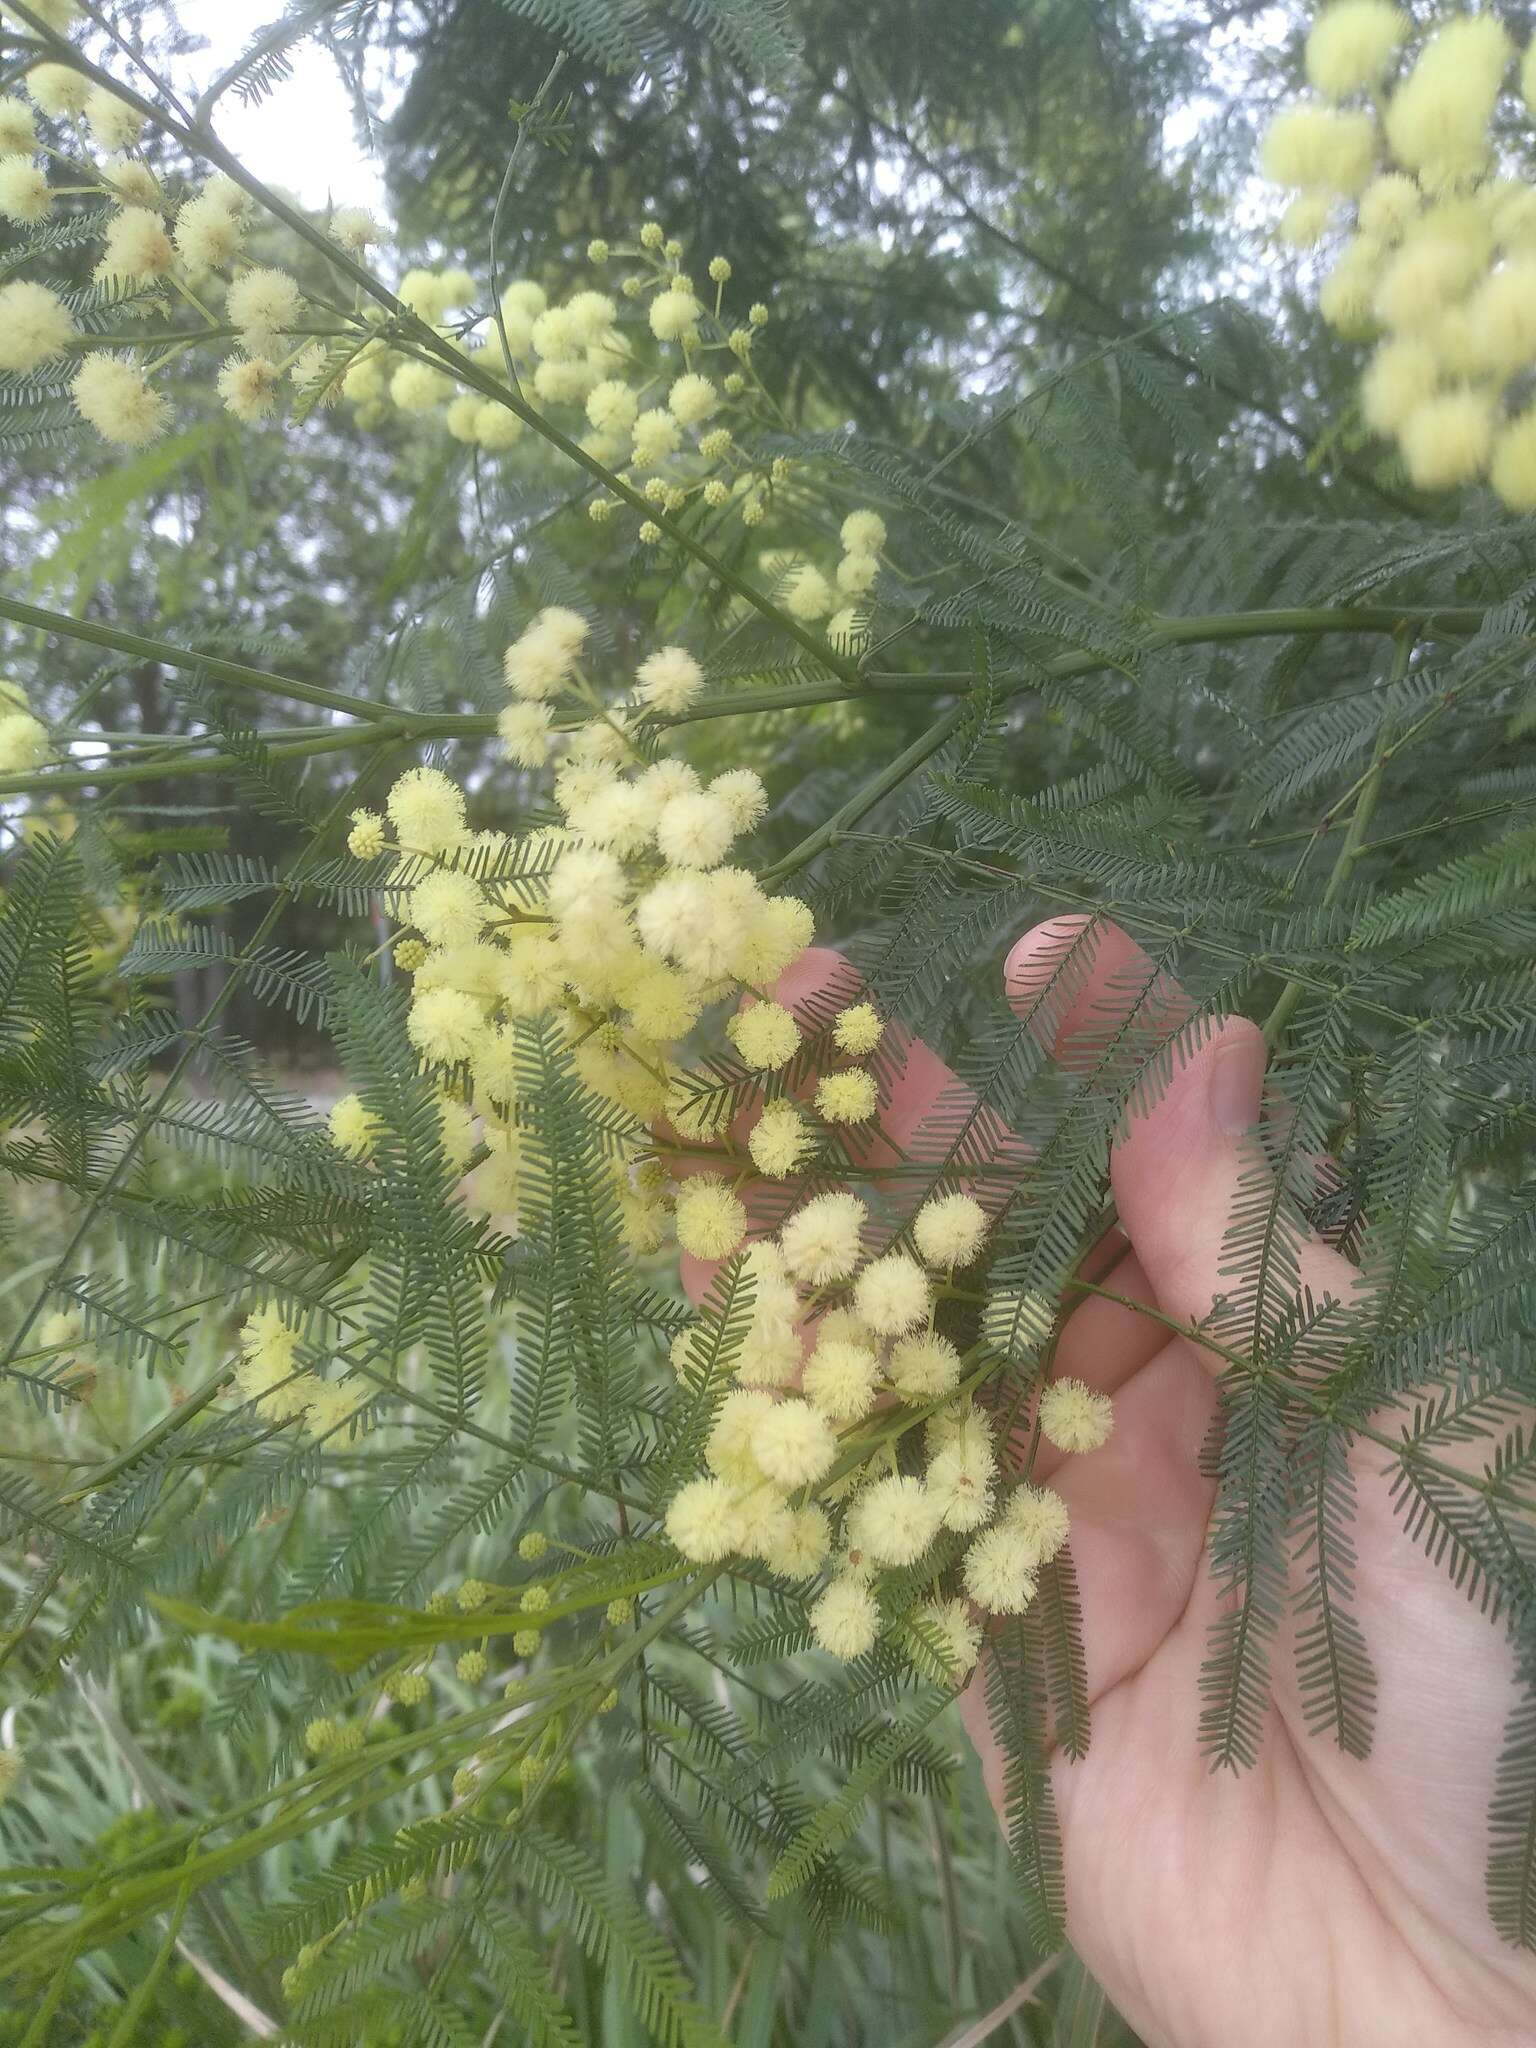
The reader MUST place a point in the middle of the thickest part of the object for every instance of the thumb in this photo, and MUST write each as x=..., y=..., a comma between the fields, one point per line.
x=1180, y=1168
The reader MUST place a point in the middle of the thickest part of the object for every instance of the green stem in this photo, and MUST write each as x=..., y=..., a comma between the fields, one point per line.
x=235, y=673
x=1349, y=853
x=878, y=787
x=158, y=769
x=605, y=1675
x=506, y=185
x=478, y=725
x=1489, y=1489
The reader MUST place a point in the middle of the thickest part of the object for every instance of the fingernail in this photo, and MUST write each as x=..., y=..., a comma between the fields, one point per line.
x=1236, y=1077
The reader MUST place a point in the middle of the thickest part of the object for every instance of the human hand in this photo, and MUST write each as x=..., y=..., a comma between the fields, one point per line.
x=1317, y=1898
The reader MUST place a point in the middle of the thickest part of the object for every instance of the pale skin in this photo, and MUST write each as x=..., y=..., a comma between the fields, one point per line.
x=1316, y=1899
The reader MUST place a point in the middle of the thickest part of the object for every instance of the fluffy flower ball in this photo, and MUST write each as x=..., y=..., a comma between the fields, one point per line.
x=855, y=574
x=711, y=1221
x=1305, y=220
x=893, y=1522
x=674, y=316
x=821, y=1243
x=848, y=1098
x=699, y=1522
x=1039, y=1516
x=845, y=1621
x=729, y=1452
x=592, y=315
x=556, y=335
x=656, y=436
x=23, y=742
x=18, y=127
x=949, y=1229
x=35, y=324
x=996, y=1571
x=584, y=878
x=892, y=1294
x=1351, y=45
x=248, y=385
x=766, y=1036
x=24, y=194
x=354, y=229
x=741, y=791
x=839, y=1378
x=526, y=732
x=208, y=233
x=1437, y=120
x=427, y=811
x=1449, y=440
x=1402, y=376
x=669, y=680
x=58, y=89
x=1431, y=271
x=496, y=428
x=960, y=1481
x=262, y=303
x=137, y=246
x=779, y=1140
x=807, y=594
x=1321, y=149
x=132, y=182
x=857, y=1030
x=1388, y=207
x=695, y=831
x=692, y=398
x=447, y=908
x=445, y=1025
x=799, y=1543
x=1502, y=313
x=113, y=121
x=113, y=395
x=863, y=532
x=353, y=1127
x=1074, y=1417
x=418, y=387
x=540, y=661
x=1347, y=298
x=795, y=1445
x=924, y=1368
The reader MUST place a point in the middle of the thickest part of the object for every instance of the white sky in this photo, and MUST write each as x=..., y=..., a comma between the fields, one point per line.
x=300, y=138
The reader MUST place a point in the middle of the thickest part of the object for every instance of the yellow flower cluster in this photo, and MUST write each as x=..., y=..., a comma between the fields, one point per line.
x=840, y=597
x=269, y=1374
x=24, y=742
x=1439, y=266
x=622, y=925
x=873, y=1344
x=595, y=368
x=154, y=243
x=648, y=377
